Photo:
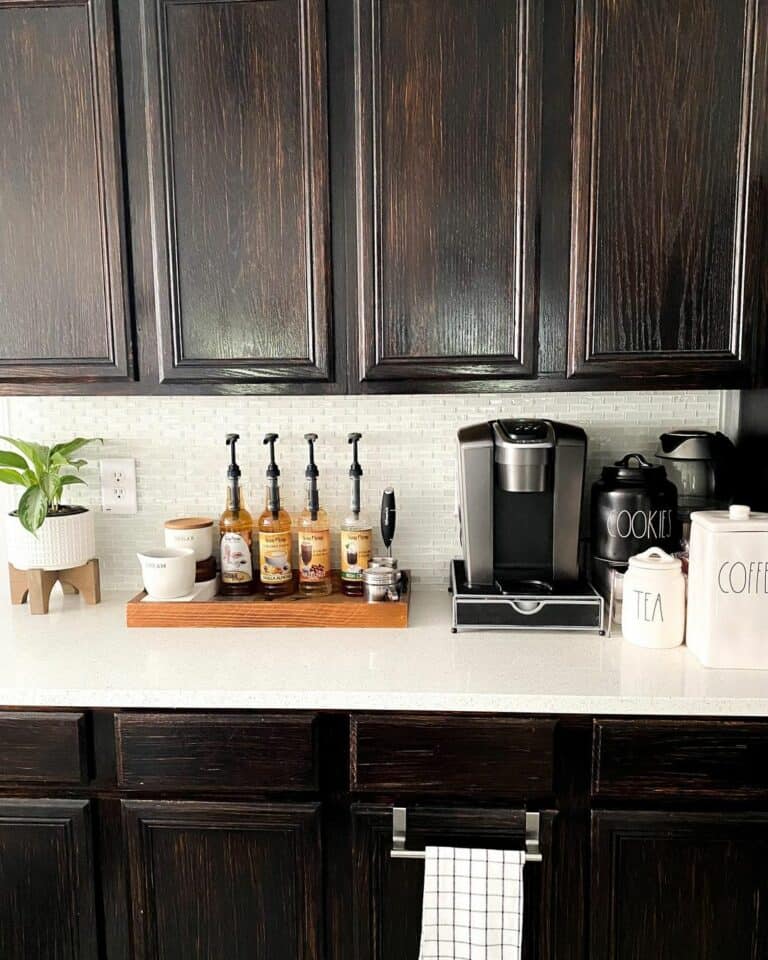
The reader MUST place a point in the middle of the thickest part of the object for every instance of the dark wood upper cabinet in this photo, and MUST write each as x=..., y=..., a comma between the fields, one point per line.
x=447, y=118
x=219, y=881
x=47, y=879
x=63, y=311
x=670, y=158
x=232, y=215
x=679, y=886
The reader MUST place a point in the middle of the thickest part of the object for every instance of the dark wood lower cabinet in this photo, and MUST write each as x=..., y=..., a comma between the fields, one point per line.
x=679, y=886
x=110, y=871
x=224, y=881
x=387, y=897
x=47, y=881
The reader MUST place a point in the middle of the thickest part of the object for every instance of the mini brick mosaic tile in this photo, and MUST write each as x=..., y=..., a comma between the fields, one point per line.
x=408, y=442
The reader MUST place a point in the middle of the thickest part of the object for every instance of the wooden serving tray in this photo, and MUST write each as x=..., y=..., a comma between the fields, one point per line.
x=335, y=610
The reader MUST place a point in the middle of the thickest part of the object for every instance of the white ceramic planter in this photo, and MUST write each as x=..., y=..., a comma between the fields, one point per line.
x=61, y=543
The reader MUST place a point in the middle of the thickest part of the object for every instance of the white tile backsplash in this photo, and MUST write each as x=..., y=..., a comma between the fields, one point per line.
x=408, y=442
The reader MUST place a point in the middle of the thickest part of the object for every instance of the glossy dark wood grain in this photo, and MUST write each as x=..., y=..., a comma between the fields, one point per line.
x=47, y=904
x=723, y=760
x=237, y=200
x=447, y=179
x=227, y=751
x=218, y=881
x=679, y=886
x=668, y=147
x=450, y=754
x=63, y=295
x=388, y=893
x=43, y=747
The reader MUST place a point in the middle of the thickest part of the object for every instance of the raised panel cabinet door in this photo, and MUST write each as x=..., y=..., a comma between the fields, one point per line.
x=387, y=894
x=233, y=225
x=224, y=881
x=679, y=886
x=447, y=133
x=670, y=158
x=47, y=906
x=63, y=308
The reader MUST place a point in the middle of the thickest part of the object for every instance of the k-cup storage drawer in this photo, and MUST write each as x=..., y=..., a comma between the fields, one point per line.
x=447, y=754
x=40, y=747
x=227, y=751
x=726, y=760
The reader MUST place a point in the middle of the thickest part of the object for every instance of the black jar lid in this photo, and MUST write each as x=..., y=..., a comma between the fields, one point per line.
x=641, y=472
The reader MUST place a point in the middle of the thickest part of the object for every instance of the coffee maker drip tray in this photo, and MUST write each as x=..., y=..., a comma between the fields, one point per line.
x=525, y=605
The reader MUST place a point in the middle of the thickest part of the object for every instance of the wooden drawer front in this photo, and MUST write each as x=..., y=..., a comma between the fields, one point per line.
x=42, y=747
x=205, y=750
x=691, y=758
x=450, y=754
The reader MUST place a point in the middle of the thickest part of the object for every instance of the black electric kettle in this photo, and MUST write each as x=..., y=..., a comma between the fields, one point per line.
x=701, y=465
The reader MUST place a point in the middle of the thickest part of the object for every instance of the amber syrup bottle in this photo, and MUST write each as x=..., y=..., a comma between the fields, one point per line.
x=274, y=524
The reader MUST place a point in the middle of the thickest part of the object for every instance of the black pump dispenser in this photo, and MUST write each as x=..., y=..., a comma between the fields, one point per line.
x=355, y=472
x=273, y=472
x=233, y=470
x=312, y=473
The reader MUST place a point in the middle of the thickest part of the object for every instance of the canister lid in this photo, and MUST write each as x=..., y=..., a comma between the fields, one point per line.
x=188, y=523
x=738, y=518
x=641, y=471
x=655, y=559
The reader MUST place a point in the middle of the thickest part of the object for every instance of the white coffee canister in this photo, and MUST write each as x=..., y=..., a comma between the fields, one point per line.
x=653, y=611
x=728, y=588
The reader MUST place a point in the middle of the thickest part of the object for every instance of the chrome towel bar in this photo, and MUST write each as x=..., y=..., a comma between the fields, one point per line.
x=399, y=830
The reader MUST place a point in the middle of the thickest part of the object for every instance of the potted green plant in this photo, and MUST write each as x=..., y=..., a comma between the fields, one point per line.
x=42, y=533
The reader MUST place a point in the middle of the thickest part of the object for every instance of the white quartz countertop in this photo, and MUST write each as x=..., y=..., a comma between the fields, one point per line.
x=86, y=657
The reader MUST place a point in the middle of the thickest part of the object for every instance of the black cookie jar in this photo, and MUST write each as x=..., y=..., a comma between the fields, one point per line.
x=634, y=507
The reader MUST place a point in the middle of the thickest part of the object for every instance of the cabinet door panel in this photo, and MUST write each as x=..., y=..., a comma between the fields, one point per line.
x=62, y=292
x=238, y=209
x=219, y=881
x=679, y=886
x=387, y=893
x=47, y=907
x=669, y=149
x=447, y=135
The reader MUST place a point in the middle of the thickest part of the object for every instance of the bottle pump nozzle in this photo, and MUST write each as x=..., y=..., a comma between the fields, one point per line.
x=355, y=472
x=312, y=473
x=233, y=470
x=273, y=472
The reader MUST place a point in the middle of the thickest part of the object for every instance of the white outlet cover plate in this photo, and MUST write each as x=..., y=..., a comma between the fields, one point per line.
x=118, y=486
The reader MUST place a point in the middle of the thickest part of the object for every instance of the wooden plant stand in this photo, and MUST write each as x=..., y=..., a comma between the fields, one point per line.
x=36, y=585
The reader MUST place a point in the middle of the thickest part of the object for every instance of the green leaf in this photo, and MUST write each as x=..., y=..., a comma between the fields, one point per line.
x=36, y=453
x=69, y=479
x=11, y=476
x=9, y=459
x=32, y=509
x=67, y=449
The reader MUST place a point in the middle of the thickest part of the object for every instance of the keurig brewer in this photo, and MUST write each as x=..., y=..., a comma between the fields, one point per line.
x=520, y=493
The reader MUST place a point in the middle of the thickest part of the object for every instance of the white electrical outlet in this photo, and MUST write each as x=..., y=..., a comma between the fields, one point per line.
x=118, y=486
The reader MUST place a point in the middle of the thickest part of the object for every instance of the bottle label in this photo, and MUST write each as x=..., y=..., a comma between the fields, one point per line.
x=236, y=559
x=314, y=555
x=275, y=557
x=356, y=550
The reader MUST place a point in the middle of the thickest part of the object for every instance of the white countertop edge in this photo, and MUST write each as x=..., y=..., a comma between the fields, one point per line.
x=406, y=702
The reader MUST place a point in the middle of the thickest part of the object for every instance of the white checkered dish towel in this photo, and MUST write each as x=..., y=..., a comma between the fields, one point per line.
x=473, y=904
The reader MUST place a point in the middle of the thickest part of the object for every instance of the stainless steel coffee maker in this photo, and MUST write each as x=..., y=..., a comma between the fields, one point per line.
x=520, y=485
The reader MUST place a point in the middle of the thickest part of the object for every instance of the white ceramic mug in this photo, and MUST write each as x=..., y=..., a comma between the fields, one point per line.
x=197, y=536
x=168, y=574
x=653, y=609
